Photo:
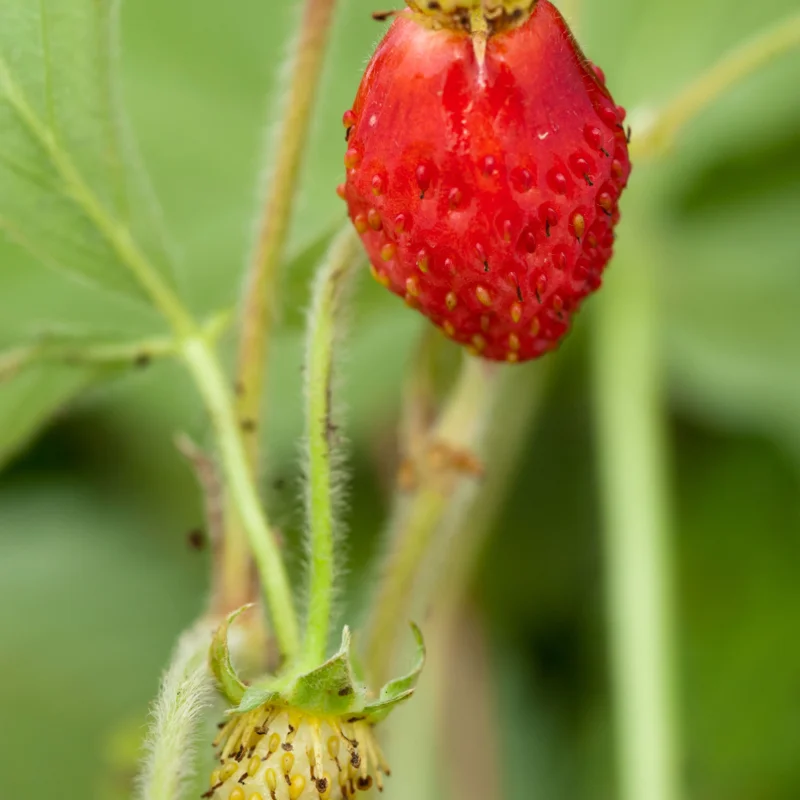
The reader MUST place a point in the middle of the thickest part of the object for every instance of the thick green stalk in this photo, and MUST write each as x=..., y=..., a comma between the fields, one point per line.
x=213, y=386
x=631, y=420
x=660, y=134
x=285, y=153
x=325, y=322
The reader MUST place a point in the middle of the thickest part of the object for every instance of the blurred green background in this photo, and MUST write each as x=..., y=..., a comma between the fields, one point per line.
x=96, y=575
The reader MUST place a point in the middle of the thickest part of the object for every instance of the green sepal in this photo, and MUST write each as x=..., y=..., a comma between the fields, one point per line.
x=255, y=696
x=331, y=688
x=398, y=690
x=229, y=682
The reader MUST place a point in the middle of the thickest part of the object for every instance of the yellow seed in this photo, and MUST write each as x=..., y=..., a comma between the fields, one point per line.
x=361, y=223
x=215, y=777
x=236, y=794
x=512, y=358
x=297, y=787
x=333, y=746
x=579, y=223
x=256, y=796
x=228, y=771
x=516, y=312
x=473, y=351
x=379, y=276
x=423, y=262
x=274, y=743
x=412, y=286
x=513, y=341
x=451, y=301
x=374, y=220
x=287, y=762
x=253, y=765
x=344, y=776
x=449, y=329
x=484, y=298
x=485, y=322
x=388, y=252
x=410, y=300
x=272, y=781
x=536, y=326
x=479, y=342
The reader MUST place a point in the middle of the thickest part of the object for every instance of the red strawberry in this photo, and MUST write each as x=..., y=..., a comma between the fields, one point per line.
x=484, y=168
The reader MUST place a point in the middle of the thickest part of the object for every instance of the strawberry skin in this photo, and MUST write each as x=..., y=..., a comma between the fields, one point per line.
x=485, y=184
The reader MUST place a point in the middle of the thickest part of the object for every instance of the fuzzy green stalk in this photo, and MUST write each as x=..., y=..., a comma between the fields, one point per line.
x=633, y=457
x=326, y=320
x=417, y=519
x=660, y=134
x=260, y=300
x=196, y=353
x=177, y=716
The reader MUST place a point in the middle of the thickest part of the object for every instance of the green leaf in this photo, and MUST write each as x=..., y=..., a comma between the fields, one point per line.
x=36, y=394
x=70, y=183
x=331, y=688
x=400, y=689
x=39, y=378
x=228, y=681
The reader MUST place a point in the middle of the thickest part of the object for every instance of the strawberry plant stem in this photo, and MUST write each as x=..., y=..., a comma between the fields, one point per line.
x=324, y=323
x=213, y=386
x=260, y=300
x=417, y=519
x=663, y=130
x=630, y=421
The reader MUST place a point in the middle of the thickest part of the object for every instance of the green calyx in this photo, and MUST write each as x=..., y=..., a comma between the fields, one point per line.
x=332, y=689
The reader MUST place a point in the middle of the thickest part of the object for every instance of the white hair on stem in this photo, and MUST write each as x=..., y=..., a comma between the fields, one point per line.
x=176, y=719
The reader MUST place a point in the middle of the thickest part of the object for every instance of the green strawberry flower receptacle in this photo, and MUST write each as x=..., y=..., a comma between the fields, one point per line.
x=303, y=734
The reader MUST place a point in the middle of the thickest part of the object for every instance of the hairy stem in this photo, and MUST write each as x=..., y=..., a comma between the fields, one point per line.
x=176, y=717
x=260, y=302
x=417, y=518
x=213, y=385
x=325, y=322
x=632, y=465
x=662, y=131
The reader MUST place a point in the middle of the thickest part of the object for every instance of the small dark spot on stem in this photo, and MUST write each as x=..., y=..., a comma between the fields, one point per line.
x=197, y=541
x=142, y=360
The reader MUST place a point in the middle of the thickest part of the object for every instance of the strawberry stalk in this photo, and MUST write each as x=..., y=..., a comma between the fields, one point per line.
x=260, y=300
x=445, y=459
x=325, y=323
x=660, y=135
x=631, y=414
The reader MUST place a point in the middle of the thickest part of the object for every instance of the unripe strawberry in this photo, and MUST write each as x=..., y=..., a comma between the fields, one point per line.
x=485, y=162
x=279, y=753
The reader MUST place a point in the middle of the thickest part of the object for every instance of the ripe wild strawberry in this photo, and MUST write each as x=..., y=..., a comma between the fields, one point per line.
x=485, y=161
